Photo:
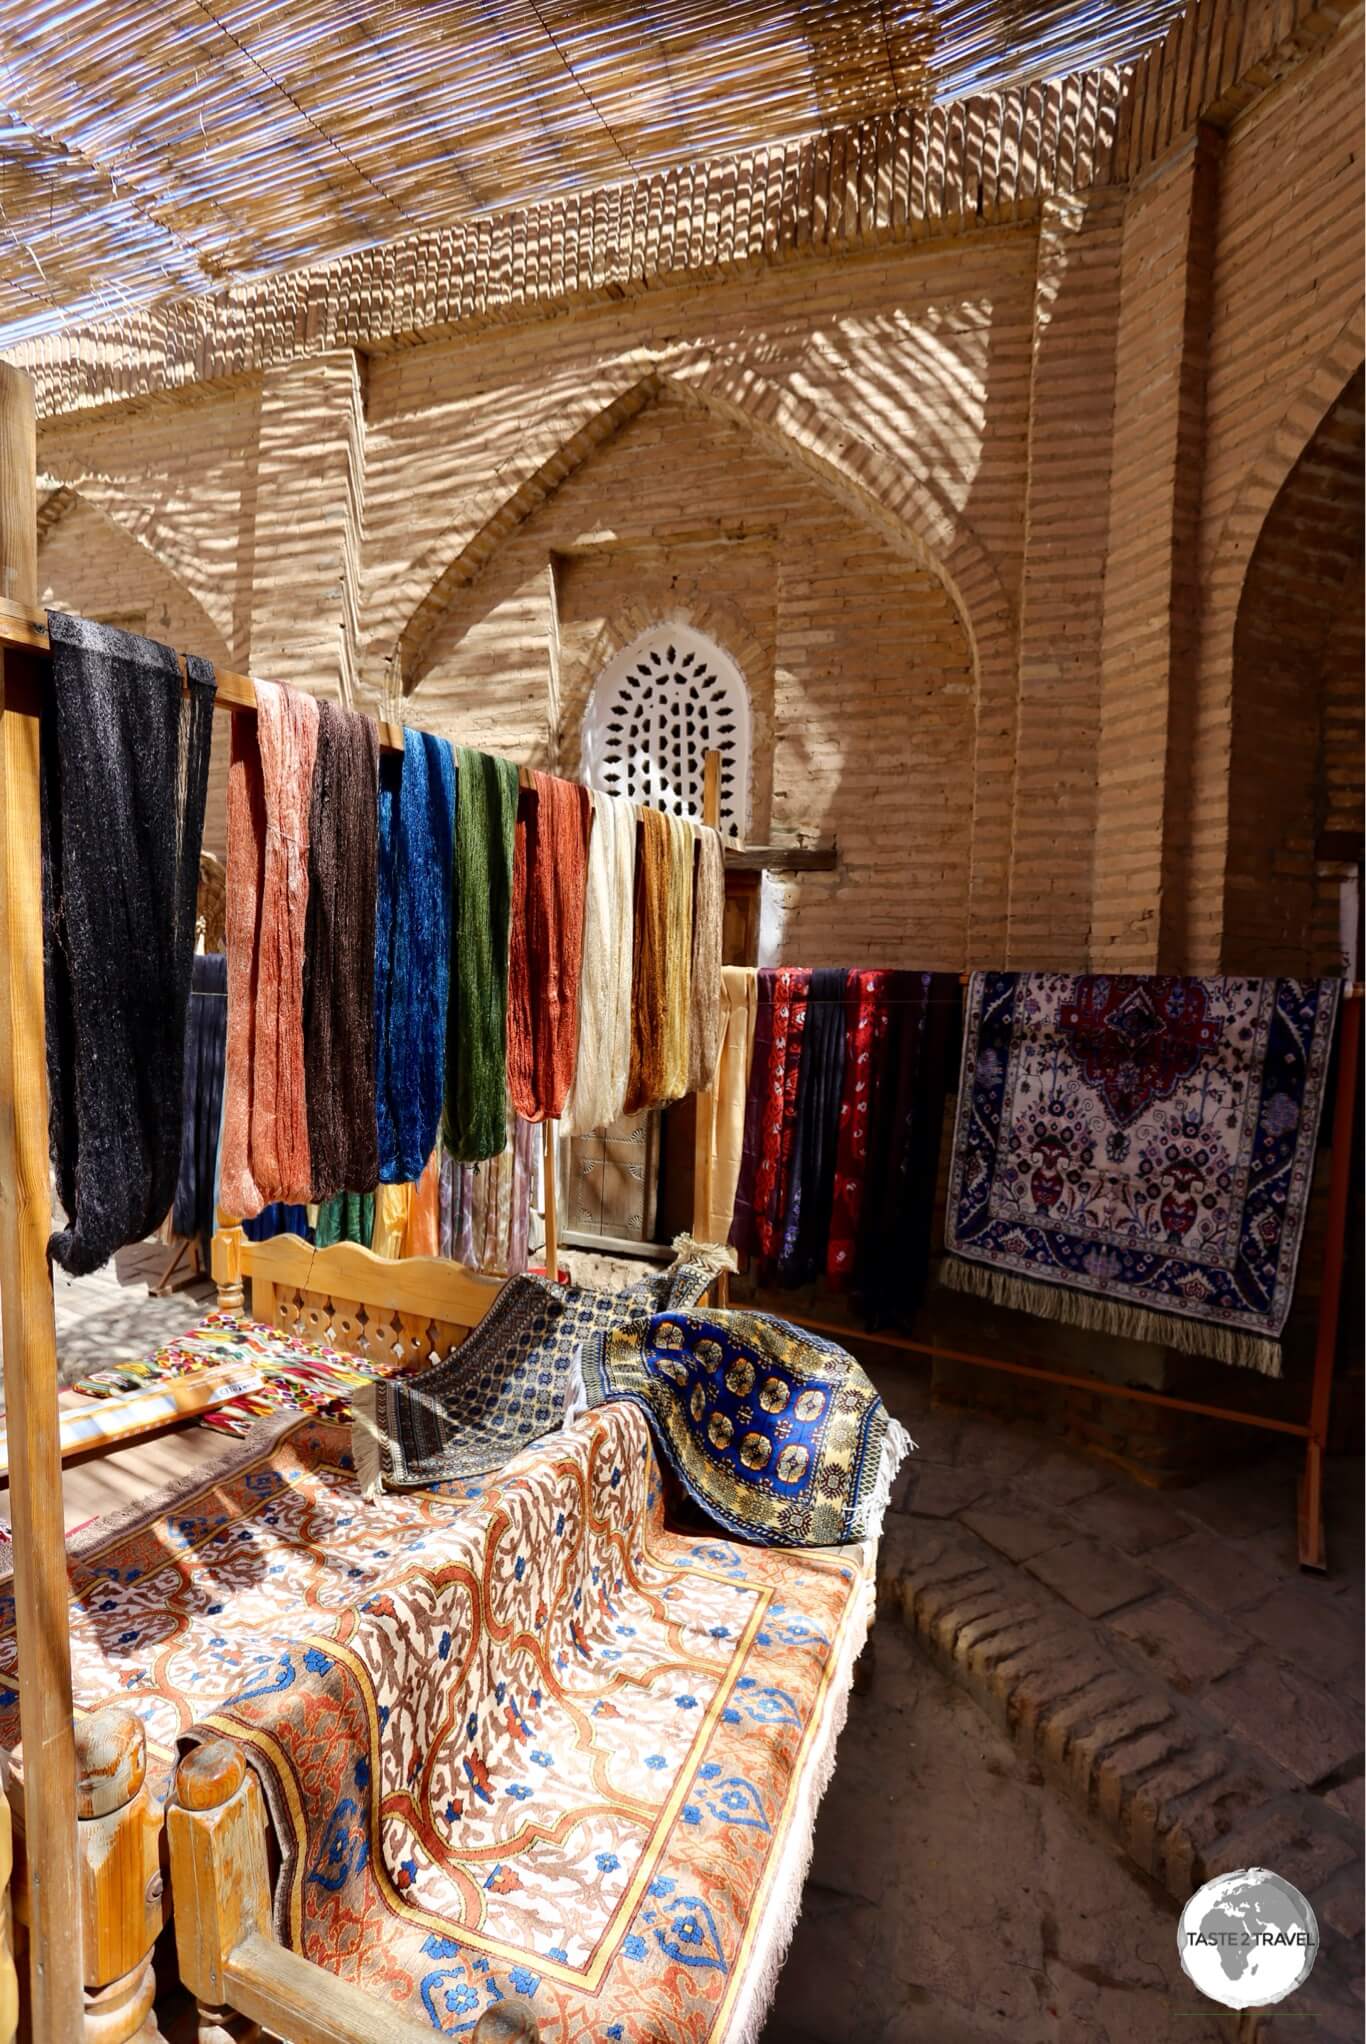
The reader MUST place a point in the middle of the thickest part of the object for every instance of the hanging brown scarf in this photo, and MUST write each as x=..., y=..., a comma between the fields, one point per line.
x=339, y=970
x=706, y=1020
x=678, y=957
x=649, y=988
x=265, y=1122
x=549, y=873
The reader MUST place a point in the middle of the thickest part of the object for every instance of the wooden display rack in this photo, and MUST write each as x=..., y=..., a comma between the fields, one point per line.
x=89, y=1882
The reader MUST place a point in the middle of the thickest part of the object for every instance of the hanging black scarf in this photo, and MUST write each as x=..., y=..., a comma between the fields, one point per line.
x=125, y=761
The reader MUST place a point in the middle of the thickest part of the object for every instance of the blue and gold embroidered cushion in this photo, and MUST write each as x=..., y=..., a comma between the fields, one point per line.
x=775, y=1432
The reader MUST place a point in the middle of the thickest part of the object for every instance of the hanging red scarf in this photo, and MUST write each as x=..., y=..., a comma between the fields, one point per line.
x=549, y=874
x=865, y=1008
x=780, y=1107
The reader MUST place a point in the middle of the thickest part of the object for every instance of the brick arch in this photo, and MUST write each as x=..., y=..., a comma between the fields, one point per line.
x=1201, y=901
x=1285, y=444
x=1294, y=770
x=915, y=518
x=143, y=532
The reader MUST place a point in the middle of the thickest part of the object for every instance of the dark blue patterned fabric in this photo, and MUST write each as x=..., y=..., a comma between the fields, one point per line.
x=412, y=950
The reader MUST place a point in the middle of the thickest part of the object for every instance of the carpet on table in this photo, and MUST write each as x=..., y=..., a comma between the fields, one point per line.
x=175, y=1602
x=1135, y=1154
x=559, y=1751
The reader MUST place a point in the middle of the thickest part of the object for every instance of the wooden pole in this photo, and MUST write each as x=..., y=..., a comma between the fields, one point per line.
x=30, y=1336
x=550, y=1164
x=1312, y=1550
x=704, y=1151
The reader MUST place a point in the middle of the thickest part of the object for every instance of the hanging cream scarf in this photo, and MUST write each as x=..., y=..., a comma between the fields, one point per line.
x=721, y=1111
x=598, y=1095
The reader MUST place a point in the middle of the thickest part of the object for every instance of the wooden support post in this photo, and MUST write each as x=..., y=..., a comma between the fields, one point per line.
x=550, y=1164
x=229, y=1960
x=123, y=1901
x=9, y=1978
x=56, y=2013
x=1312, y=1547
x=226, y=1254
x=704, y=1150
x=216, y=1831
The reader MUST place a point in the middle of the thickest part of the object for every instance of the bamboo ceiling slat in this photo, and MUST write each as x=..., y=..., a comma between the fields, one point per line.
x=147, y=154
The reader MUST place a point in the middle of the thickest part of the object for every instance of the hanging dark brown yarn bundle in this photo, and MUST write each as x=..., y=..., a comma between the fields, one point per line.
x=649, y=978
x=125, y=761
x=549, y=876
x=339, y=957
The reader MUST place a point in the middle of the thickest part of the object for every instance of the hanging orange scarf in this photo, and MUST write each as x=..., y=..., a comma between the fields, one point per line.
x=549, y=875
x=265, y=1122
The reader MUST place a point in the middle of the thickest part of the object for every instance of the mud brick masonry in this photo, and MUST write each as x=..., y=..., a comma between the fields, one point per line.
x=991, y=442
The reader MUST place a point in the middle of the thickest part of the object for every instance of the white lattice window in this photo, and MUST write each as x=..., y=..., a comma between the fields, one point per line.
x=657, y=710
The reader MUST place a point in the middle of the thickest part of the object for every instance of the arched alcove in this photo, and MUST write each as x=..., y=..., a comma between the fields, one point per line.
x=1295, y=776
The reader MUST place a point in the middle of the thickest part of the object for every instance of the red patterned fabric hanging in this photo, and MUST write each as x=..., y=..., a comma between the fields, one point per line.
x=865, y=1038
x=790, y=989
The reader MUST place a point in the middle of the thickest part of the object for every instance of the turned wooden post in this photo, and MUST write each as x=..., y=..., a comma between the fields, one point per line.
x=9, y=1978
x=216, y=1829
x=226, y=1254
x=123, y=1901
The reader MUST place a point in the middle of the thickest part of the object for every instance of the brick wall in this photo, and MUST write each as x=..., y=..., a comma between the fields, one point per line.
x=968, y=490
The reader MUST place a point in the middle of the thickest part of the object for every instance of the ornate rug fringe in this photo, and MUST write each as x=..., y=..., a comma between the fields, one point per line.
x=366, y=1439
x=1111, y=1316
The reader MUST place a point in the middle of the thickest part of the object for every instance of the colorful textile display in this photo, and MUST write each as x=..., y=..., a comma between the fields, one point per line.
x=508, y=1384
x=706, y=1018
x=175, y=1602
x=475, y=1118
x=124, y=767
x=721, y=1111
x=557, y=1752
x=811, y=1177
x=265, y=1123
x=650, y=991
x=339, y=958
x=775, y=1432
x=865, y=1025
x=603, y=1067
x=912, y=1078
x=281, y=1217
x=206, y=1035
x=293, y=1375
x=1134, y=1154
x=486, y=1207
x=417, y=801
x=549, y=871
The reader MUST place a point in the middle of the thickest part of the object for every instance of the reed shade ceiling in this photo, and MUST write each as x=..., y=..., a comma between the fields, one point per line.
x=150, y=152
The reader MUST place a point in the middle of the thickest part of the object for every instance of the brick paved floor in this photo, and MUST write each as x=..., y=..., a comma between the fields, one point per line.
x=1161, y=1658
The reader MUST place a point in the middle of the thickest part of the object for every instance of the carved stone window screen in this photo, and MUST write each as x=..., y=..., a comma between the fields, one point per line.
x=657, y=709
